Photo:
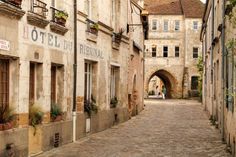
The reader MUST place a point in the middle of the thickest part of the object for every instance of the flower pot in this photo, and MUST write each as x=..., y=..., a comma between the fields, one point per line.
x=58, y=118
x=1, y=127
x=61, y=21
x=16, y=2
x=8, y=125
x=93, y=30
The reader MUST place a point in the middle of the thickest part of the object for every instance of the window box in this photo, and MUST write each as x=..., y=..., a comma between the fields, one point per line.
x=92, y=27
x=37, y=15
x=11, y=9
x=59, y=19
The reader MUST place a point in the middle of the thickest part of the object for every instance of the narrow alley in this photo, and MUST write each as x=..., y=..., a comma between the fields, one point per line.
x=171, y=128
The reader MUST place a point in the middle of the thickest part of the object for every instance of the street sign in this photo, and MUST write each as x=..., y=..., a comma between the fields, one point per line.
x=4, y=45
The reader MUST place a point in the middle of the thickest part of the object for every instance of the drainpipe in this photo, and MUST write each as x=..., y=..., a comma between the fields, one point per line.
x=212, y=38
x=223, y=70
x=75, y=72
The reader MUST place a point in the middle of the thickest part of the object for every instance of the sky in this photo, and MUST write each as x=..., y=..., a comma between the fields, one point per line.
x=204, y=1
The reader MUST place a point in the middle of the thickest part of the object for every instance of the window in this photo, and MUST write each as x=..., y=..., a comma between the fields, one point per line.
x=32, y=83
x=53, y=84
x=114, y=82
x=4, y=83
x=154, y=24
x=194, y=82
x=176, y=51
x=88, y=75
x=195, y=52
x=165, y=26
x=154, y=51
x=165, y=51
x=177, y=27
x=195, y=25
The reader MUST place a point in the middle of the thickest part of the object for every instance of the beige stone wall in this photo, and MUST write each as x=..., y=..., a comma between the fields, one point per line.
x=215, y=97
x=181, y=68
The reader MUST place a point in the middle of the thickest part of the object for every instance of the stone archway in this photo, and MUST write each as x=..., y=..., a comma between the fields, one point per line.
x=167, y=78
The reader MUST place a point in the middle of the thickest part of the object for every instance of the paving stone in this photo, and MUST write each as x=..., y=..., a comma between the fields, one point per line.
x=170, y=128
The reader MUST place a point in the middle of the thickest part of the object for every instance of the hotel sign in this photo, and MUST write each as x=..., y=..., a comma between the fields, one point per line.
x=48, y=39
x=4, y=45
x=89, y=51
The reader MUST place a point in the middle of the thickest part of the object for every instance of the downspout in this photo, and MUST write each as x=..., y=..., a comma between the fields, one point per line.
x=223, y=70
x=212, y=38
x=75, y=72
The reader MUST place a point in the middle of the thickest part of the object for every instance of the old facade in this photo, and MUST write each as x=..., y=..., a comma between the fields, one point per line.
x=172, y=46
x=36, y=69
x=219, y=68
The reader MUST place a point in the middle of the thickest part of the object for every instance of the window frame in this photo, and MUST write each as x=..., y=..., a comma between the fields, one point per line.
x=166, y=26
x=154, y=47
x=177, y=52
x=165, y=51
x=195, y=53
x=195, y=25
x=154, y=21
x=177, y=21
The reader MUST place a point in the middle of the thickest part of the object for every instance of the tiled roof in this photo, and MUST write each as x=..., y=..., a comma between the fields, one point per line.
x=193, y=8
x=189, y=8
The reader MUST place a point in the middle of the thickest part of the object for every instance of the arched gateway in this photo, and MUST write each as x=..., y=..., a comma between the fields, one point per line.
x=167, y=79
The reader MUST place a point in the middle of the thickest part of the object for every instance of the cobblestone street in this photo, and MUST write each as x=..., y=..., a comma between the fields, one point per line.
x=171, y=128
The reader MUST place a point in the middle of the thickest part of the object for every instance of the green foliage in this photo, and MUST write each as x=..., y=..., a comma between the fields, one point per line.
x=55, y=111
x=61, y=14
x=90, y=106
x=114, y=102
x=94, y=26
x=35, y=116
x=6, y=114
x=200, y=70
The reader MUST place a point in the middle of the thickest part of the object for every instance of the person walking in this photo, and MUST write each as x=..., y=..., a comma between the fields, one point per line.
x=157, y=91
x=163, y=92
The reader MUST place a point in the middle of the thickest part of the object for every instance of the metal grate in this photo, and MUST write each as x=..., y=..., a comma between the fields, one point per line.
x=56, y=139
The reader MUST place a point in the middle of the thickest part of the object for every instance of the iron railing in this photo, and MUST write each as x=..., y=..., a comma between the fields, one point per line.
x=39, y=8
x=16, y=3
x=56, y=19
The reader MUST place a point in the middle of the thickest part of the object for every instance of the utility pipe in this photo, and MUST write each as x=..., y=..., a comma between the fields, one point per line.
x=75, y=72
x=223, y=70
x=211, y=56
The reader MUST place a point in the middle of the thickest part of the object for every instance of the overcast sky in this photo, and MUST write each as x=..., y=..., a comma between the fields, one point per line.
x=204, y=1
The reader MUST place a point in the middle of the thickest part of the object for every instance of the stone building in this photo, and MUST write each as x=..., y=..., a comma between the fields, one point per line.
x=172, y=46
x=219, y=77
x=36, y=68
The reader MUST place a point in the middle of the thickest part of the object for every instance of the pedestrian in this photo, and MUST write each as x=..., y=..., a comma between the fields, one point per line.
x=157, y=91
x=163, y=92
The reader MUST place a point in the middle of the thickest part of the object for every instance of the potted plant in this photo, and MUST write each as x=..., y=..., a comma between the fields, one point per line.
x=93, y=28
x=114, y=102
x=61, y=17
x=117, y=36
x=35, y=116
x=7, y=117
x=16, y=2
x=90, y=106
x=56, y=113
